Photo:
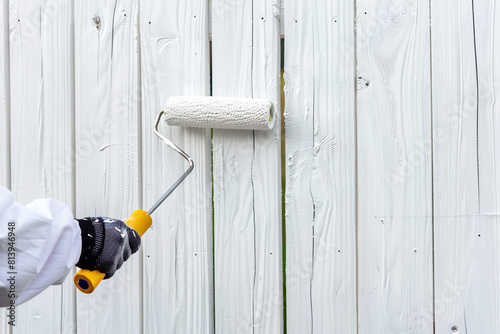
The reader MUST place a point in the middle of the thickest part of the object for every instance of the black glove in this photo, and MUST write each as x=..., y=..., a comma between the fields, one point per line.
x=106, y=244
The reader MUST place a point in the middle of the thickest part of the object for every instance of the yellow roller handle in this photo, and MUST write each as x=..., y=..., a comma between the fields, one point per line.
x=87, y=280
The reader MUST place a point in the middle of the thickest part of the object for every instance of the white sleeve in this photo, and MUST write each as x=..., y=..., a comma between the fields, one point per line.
x=46, y=241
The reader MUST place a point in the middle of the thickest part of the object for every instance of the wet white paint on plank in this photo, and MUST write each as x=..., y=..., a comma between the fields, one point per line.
x=57, y=41
x=41, y=141
x=247, y=205
x=178, y=273
x=395, y=278
x=107, y=99
x=465, y=90
x=4, y=116
x=320, y=157
x=266, y=173
x=394, y=162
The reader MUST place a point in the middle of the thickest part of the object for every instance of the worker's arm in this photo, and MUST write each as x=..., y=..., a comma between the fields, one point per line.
x=41, y=242
x=39, y=245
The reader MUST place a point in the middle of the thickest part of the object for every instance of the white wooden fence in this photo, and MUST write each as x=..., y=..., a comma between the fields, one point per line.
x=392, y=161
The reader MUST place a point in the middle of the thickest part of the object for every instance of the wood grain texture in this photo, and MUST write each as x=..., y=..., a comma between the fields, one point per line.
x=41, y=136
x=57, y=40
x=465, y=88
x=4, y=116
x=178, y=276
x=395, y=269
x=320, y=157
x=107, y=99
x=246, y=169
x=266, y=174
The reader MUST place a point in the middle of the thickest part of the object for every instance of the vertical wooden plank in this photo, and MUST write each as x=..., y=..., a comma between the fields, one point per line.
x=4, y=97
x=4, y=116
x=465, y=88
x=247, y=204
x=178, y=276
x=42, y=130
x=266, y=174
x=395, y=269
x=57, y=41
x=234, y=217
x=107, y=100
x=320, y=156
x=26, y=101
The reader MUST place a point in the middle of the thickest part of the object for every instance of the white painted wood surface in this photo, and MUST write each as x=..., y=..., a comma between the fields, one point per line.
x=395, y=272
x=465, y=90
x=41, y=136
x=392, y=194
x=107, y=99
x=320, y=167
x=4, y=97
x=246, y=171
x=178, y=272
x=4, y=116
x=57, y=61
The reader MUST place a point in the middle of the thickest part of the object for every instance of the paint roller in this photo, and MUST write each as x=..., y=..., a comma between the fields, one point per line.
x=200, y=112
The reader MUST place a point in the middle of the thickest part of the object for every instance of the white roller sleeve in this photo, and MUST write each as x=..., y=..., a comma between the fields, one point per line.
x=219, y=112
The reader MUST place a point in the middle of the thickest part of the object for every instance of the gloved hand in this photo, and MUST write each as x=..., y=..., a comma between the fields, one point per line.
x=106, y=244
